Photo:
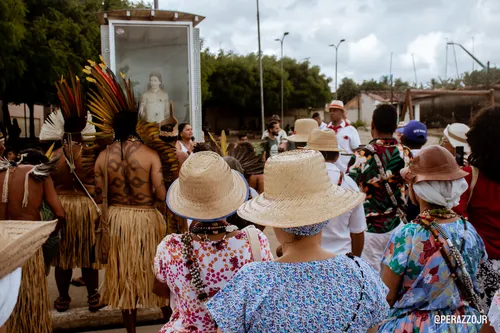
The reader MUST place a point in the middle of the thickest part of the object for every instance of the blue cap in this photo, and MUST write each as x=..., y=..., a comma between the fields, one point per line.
x=415, y=131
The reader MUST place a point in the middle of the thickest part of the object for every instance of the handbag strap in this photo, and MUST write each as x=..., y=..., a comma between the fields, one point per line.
x=253, y=238
x=388, y=189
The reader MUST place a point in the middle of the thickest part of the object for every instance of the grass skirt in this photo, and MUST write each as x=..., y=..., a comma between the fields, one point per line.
x=175, y=224
x=134, y=235
x=32, y=311
x=77, y=236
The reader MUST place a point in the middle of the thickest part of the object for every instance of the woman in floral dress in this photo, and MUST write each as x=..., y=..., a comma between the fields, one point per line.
x=308, y=289
x=197, y=264
x=419, y=260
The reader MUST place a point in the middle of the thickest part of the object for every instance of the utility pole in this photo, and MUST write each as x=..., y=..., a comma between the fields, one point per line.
x=392, y=85
x=415, y=70
x=336, y=62
x=446, y=67
x=260, y=72
x=156, y=4
x=282, y=73
x=472, y=54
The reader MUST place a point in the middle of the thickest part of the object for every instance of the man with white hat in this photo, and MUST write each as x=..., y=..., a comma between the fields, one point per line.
x=347, y=135
x=345, y=233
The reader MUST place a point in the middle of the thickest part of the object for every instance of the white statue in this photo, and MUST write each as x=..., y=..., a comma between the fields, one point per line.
x=154, y=102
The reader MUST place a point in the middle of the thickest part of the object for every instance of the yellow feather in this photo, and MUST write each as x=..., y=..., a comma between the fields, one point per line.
x=49, y=152
x=223, y=143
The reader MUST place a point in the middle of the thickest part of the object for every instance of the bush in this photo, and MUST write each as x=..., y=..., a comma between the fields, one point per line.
x=358, y=123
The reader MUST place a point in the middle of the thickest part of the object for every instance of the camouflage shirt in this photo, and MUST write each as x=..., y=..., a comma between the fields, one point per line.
x=381, y=215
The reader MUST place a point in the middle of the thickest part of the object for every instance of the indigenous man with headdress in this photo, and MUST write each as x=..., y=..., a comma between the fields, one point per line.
x=24, y=188
x=129, y=176
x=74, y=181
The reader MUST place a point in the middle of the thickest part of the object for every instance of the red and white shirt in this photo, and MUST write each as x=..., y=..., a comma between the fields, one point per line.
x=348, y=139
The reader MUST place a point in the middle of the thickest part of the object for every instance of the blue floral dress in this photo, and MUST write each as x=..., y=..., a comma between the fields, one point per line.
x=316, y=296
x=427, y=289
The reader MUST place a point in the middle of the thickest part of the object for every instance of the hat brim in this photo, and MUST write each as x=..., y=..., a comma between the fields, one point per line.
x=210, y=210
x=448, y=176
x=334, y=107
x=27, y=237
x=300, y=211
x=322, y=148
x=400, y=130
x=298, y=138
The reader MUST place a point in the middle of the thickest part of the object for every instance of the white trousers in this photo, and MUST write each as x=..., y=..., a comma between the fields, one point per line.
x=374, y=248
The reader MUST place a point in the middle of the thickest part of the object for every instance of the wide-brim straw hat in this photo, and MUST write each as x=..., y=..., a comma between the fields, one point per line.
x=19, y=240
x=207, y=189
x=457, y=135
x=433, y=163
x=303, y=128
x=298, y=192
x=323, y=140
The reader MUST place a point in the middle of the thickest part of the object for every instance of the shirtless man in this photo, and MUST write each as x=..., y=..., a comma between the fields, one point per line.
x=77, y=237
x=23, y=200
x=135, y=184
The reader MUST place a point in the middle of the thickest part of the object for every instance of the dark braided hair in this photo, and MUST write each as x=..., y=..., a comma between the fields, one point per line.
x=483, y=139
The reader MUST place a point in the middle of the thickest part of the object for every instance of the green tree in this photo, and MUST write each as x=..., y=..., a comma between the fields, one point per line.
x=347, y=90
x=12, y=30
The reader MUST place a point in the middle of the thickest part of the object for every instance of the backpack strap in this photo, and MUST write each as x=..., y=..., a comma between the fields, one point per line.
x=388, y=189
x=253, y=239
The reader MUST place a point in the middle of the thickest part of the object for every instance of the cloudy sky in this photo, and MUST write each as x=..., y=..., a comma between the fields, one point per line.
x=372, y=29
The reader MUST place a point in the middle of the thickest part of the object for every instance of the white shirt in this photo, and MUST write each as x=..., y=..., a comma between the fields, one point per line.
x=281, y=135
x=348, y=139
x=336, y=236
x=323, y=126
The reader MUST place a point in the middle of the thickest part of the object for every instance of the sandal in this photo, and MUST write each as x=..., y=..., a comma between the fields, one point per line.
x=78, y=282
x=95, y=303
x=61, y=304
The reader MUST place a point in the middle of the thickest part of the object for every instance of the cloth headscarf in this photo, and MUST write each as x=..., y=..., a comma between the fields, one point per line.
x=441, y=192
x=9, y=290
x=308, y=230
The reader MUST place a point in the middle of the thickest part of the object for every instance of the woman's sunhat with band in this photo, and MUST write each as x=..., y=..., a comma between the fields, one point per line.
x=303, y=128
x=19, y=240
x=323, y=140
x=433, y=163
x=456, y=134
x=207, y=189
x=298, y=192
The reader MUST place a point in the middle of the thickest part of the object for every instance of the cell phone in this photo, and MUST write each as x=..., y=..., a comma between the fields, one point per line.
x=459, y=155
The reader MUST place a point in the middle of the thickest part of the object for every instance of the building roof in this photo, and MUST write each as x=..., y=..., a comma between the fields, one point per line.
x=149, y=15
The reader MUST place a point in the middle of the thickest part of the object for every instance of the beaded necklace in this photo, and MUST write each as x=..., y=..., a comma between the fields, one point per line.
x=201, y=230
x=458, y=271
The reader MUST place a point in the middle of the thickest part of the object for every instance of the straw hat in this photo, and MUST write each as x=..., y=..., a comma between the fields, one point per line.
x=19, y=240
x=433, y=163
x=336, y=104
x=323, y=140
x=303, y=127
x=298, y=192
x=207, y=189
x=457, y=135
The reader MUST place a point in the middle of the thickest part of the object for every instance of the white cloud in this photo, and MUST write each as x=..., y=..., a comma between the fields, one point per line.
x=372, y=29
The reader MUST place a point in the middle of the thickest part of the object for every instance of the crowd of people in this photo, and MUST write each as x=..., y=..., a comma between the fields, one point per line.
x=392, y=236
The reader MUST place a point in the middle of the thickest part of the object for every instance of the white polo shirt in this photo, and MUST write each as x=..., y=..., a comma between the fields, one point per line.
x=348, y=139
x=323, y=126
x=336, y=236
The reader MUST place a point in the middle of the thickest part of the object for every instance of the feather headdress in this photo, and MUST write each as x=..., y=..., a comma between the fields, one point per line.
x=243, y=152
x=108, y=96
x=72, y=117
